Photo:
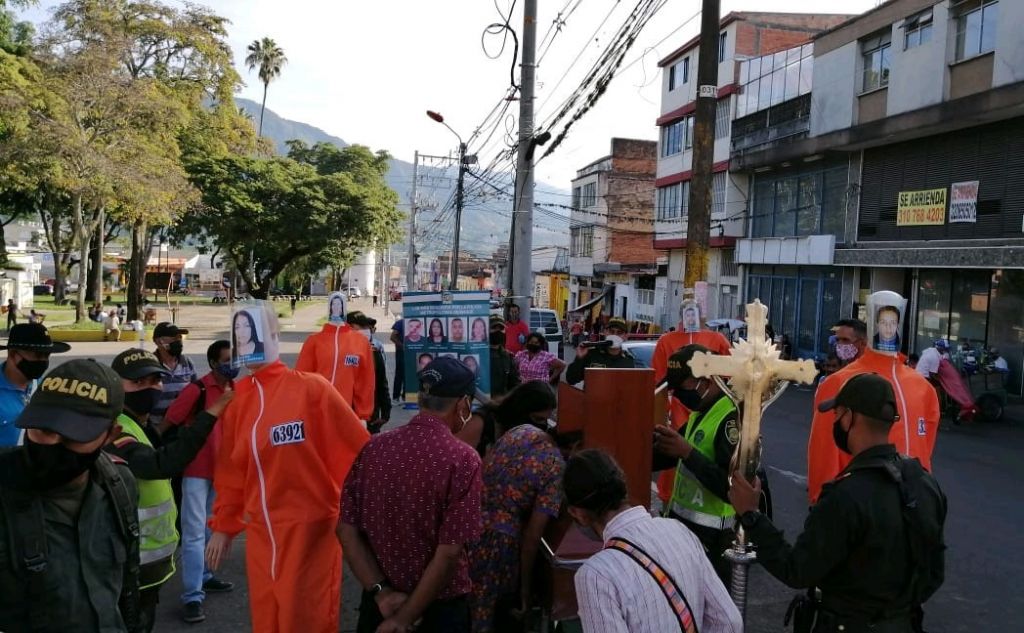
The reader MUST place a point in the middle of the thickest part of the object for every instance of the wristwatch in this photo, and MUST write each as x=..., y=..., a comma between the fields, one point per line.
x=749, y=518
x=377, y=588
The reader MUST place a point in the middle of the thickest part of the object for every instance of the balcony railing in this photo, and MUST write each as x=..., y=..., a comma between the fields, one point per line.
x=785, y=122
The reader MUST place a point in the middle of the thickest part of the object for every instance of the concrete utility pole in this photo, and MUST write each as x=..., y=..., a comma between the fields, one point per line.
x=698, y=224
x=454, y=285
x=410, y=268
x=521, y=284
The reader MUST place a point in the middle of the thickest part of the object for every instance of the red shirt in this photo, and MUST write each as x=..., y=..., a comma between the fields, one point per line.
x=182, y=411
x=512, y=333
x=411, y=490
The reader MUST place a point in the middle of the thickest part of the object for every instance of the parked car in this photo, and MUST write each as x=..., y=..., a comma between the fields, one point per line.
x=642, y=352
x=547, y=322
x=42, y=290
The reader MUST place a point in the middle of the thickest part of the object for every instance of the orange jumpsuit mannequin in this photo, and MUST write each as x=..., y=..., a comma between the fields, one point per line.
x=914, y=434
x=344, y=357
x=667, y=345
x=289, y=441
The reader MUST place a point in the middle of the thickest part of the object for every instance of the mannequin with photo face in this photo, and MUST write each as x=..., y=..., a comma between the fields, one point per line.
x=288, y=443
x=915, y=432
x=342, y=356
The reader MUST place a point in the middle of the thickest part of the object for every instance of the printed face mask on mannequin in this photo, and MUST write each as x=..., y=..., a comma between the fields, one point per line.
x=255, y=335
x=886, y=312
x=689, y=316
x=336, y=308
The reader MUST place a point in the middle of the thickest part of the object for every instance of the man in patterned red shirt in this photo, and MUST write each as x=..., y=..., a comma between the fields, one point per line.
x=409, y=506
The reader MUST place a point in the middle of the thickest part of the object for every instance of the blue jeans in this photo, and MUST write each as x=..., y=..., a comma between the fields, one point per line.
x=196, y=506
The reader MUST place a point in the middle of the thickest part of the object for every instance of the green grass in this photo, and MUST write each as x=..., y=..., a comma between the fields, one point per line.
x=84, y=325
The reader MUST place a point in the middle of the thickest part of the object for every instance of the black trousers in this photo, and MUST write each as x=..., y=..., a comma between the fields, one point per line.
x=442, y=616
x=398, y=391
x=148, y=599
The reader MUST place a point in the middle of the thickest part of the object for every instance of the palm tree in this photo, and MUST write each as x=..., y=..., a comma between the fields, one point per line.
x=266, y=55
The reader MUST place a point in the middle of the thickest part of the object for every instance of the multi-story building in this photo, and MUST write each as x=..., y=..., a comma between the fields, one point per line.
x=550, y=265
x=921, y=103
x=743, y=35
x=611, y=257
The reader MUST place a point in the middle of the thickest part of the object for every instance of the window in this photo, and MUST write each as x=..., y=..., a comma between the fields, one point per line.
x=723, y=124
x=976, y=25
x=688, y=132
x=672, y=138
x=673, y=201
x=773, y=79
x=588, y=195
x=679, y=74
x=875, y=55
x=581, y=241
x=718, y=195
x=805, y=201
x=722, y=40
x=575, y=197
x=917, y=30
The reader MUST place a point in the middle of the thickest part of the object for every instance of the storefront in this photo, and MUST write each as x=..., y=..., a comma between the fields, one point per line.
x=803, y=303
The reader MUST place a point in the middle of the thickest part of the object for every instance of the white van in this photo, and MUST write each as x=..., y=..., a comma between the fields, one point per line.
x=547, y=322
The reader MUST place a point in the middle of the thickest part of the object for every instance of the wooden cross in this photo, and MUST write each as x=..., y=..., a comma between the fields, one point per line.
x=757, y=377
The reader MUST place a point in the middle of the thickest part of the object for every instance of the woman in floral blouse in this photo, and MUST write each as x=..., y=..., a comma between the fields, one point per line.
x=536, y=362
x=521, y=494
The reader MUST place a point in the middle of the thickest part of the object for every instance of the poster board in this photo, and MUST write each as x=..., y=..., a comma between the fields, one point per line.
x=447, y=323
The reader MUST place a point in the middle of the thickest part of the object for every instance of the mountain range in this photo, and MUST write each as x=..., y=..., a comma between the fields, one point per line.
x=487, y=216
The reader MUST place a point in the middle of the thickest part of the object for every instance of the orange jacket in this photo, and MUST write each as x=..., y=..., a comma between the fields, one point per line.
x=344, y=357
x=669, y=344
x=914, y=434
x=288, y=444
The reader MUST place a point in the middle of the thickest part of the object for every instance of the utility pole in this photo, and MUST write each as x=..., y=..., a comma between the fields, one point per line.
x=698, y=224
x=410, y=268
x=454, y=285
x=521, y=283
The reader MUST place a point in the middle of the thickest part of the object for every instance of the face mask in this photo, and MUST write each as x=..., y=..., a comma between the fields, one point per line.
x=32, y=369
x=142, y=401
x=691, y=398
x=227, y=371
x=841, y=437
x=846, y=351
x=367, y=334
x=53, y=465
x=176, y=348
x=533, y=347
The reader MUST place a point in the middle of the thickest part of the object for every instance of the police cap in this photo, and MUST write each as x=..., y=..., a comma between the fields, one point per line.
x=77, y=400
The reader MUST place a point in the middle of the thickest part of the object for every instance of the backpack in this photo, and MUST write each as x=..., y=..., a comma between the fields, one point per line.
x=920, y=499
x=171, y=434
x=25, y=522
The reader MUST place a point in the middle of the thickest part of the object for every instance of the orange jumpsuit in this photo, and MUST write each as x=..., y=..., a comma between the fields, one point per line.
x=344, y=357
x=289, y=441
x=913, y=434
x=669, y=344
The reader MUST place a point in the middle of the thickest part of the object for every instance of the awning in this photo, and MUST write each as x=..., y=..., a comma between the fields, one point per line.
x=590, y=303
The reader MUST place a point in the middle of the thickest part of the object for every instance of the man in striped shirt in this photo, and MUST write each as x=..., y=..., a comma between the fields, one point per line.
x=181, y=371
x=617, y=589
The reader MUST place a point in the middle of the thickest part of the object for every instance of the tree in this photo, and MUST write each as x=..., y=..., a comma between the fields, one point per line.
x=268, y=213
x=266, y=55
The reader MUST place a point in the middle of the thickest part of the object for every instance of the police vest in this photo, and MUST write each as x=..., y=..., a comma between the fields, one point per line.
x=690, y=499
x=158, y=538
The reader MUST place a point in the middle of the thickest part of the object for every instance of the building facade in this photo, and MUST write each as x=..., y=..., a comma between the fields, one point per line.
x=921, y=104
x=743, y=36
x=611, y=257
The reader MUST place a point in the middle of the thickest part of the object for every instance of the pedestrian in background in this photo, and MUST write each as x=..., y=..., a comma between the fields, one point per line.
x=516, y=330
x=197, y=480
x=12, y=314
x=536, y=362
x=398, y=339
x=28, y=357
x=382, y=401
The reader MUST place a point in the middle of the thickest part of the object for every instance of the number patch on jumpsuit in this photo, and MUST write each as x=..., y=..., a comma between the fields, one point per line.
x=288, y=433
x=351, y=360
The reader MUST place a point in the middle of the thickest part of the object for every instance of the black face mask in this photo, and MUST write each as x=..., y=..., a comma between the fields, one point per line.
x=53, y=465
x=32, y=369
x=176, y=348
x=141, y=402
x=690, y=398
x=533, y=347
x=840, y=436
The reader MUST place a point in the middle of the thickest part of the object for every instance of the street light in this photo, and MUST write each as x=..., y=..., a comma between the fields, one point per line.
x=436, y=116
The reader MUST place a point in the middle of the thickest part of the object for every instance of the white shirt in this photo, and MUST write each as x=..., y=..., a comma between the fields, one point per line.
x=928, y=364
x=617, y=595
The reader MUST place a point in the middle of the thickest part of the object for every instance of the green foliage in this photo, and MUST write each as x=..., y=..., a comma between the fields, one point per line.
x=269, y=58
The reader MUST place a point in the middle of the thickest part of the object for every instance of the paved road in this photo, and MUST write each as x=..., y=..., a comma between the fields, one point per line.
x=979, y=468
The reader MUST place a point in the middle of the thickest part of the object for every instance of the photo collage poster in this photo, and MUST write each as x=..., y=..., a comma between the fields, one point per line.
x=453, y=324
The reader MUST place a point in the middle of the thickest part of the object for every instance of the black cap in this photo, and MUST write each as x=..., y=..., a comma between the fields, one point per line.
x=33, y=337
x=447, y=377
x=679, y=367
x=867, y=394
x=168, y=329
x=135, y=364
x=78, y=400
x=356, y=317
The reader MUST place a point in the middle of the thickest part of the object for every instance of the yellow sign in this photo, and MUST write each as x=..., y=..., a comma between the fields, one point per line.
x=920, y=208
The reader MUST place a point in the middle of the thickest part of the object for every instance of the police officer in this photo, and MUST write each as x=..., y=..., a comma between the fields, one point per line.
x=609, y=354
x=68, y=512
x=141, y=373
x=873, y=543
x=700, y=452
x=382, y=399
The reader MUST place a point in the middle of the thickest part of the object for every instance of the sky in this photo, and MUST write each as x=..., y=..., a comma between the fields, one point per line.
x=367, y=71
